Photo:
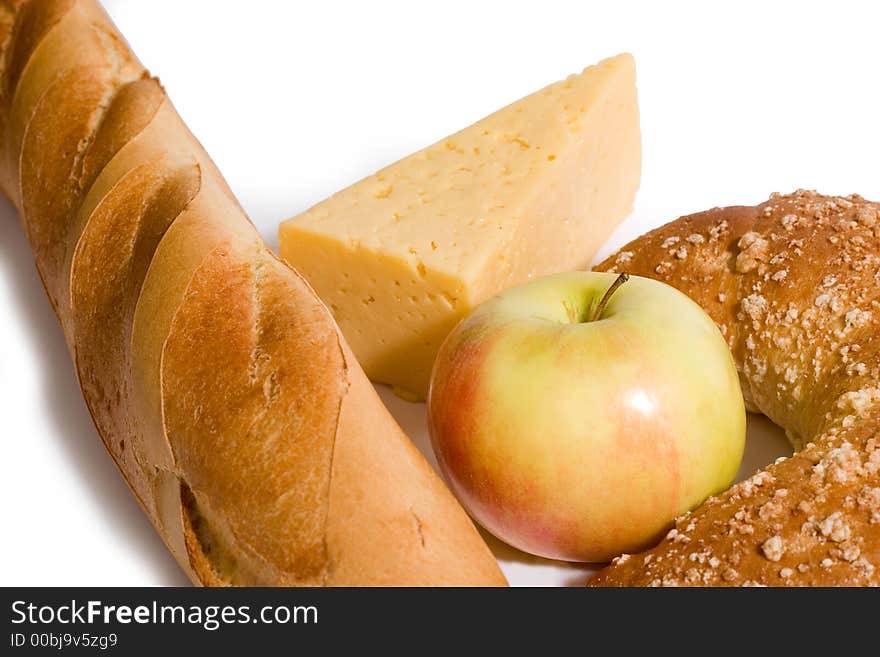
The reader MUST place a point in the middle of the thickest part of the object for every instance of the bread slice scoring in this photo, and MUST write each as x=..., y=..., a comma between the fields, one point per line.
x=220, y=384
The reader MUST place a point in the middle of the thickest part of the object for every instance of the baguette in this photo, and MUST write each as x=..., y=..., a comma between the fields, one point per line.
x=219, y=383
x=792, y=283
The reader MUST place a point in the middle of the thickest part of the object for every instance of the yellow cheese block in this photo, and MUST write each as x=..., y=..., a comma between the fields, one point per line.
x=533, y=189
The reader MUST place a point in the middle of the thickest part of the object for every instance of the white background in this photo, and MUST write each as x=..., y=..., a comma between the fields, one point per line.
x=296, y=100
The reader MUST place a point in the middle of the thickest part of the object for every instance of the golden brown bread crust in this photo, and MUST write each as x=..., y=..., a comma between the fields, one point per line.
x=793, y=285
x=219, y=383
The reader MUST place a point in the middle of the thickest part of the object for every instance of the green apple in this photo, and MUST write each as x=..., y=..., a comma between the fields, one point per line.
x=575, y=416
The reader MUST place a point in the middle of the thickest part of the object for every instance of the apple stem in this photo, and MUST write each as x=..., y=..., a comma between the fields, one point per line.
x=600, y=308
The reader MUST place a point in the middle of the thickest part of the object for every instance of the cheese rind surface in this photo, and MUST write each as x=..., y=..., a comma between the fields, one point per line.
x=533, y=189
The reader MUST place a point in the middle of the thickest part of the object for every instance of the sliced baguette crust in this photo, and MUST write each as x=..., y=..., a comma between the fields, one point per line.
x=792, y=283
x=217, y=380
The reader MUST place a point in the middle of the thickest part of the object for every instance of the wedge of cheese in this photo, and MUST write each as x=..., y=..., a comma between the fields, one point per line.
x=533, y=189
